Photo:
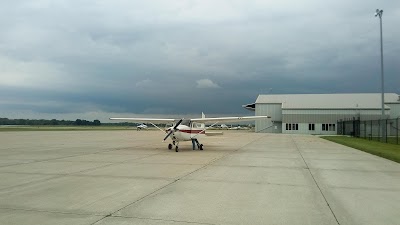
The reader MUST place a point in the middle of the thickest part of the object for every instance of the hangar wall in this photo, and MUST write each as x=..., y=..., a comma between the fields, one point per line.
x=269, y=126
x=289, y=116
x=394, y=110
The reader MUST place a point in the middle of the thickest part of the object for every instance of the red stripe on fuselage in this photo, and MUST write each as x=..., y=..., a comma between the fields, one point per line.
x=193, y=131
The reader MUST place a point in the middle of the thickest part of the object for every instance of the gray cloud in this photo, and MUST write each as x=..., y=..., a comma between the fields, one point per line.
x=206, y=83
x=110, y=57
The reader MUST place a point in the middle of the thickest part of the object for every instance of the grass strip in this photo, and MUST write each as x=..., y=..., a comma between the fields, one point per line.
x=384, y=150
x=63, y=128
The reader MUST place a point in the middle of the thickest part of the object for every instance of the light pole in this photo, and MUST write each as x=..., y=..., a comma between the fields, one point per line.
x=379, y=13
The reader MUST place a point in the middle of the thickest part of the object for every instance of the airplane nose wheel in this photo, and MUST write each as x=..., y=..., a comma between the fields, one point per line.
x=170, y=146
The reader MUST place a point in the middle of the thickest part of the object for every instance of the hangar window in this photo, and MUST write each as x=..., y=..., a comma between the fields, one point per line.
x=292, y=126
x=328, y=127
x=311, y=126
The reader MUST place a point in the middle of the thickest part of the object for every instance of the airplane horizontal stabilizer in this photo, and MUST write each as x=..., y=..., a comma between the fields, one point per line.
x=214, y=133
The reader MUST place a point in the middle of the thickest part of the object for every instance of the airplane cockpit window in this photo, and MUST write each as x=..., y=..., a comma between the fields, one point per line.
x=198, y=125
x=184, y=122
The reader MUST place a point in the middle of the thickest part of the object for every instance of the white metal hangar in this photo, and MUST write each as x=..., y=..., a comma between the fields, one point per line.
x=319, y=113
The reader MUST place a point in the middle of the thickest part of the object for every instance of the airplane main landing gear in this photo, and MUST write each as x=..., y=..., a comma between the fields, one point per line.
x=176, y=148
x=196, y=142
x=169, y=146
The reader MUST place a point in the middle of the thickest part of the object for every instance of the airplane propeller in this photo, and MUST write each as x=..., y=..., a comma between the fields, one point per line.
x=175, y=128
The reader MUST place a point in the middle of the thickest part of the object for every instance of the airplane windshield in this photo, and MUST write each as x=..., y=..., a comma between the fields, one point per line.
x=184, y=122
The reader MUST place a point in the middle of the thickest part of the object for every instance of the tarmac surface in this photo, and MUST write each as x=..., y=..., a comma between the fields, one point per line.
x=129, y=177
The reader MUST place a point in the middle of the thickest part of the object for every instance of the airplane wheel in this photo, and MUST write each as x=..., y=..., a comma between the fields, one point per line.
x=176, y=149
x=170, y=146
x=201, y=147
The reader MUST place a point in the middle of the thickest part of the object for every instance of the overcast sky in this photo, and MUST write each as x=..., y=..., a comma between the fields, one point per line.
x=93, y=59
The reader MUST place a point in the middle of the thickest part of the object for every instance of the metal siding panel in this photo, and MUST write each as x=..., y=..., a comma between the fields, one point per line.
x=273, y=110
x=328, y=116
x=394, y=110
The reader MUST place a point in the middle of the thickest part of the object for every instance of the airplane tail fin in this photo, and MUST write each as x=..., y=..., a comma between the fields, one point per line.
x=202, y=115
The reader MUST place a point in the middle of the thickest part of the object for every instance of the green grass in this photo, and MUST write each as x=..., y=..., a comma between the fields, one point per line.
x=384, y=150
x=62, y=128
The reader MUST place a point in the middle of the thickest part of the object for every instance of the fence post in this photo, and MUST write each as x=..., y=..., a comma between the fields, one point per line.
x=379, y=130
x=386, y=132
x=365, y=129
x=344, y=128
x=371, y=130
x=397, y=130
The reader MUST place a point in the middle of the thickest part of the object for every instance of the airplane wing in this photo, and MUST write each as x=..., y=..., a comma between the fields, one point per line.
x=228, y=119
x=147, y=120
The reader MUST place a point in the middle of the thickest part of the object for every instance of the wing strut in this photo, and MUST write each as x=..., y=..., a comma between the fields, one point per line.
x=156, y=126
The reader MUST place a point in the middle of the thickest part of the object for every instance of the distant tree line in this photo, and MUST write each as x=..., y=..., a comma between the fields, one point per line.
x=53, y=122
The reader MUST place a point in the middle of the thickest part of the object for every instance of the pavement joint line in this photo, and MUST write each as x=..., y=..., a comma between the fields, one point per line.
x=31, y=182
x=52, y=211
x=125, y=177
x=247, y=182
x=363, y=160
x=269, y=157
x=331, y=153
x=250, y=166
x=367, y=188
x=354, y=170
x=156, y=219
x=178, y=179
x=14, y=164
x=315, y=181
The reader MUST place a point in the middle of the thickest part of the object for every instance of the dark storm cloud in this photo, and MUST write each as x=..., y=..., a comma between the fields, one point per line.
x=184, y=57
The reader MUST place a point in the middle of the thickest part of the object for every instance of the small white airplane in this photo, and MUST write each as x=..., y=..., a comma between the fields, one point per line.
x=141, y=126
x=189, y=129
x=223, y=126
x=238, y=128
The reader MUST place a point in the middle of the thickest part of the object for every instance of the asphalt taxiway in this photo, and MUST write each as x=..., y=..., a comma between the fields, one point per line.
x=129, y=177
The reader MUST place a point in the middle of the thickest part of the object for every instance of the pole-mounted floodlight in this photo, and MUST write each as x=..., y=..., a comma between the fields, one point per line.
x=379, y=13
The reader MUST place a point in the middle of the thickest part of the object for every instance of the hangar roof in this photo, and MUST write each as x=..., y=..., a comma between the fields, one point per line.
x=329, y=101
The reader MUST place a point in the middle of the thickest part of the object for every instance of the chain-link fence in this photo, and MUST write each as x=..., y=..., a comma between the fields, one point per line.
x=386, y=130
